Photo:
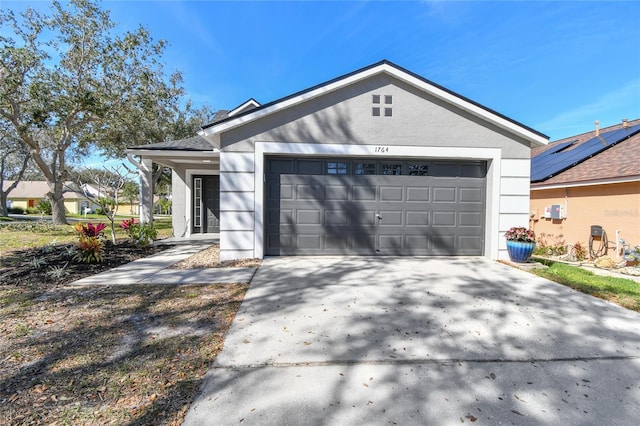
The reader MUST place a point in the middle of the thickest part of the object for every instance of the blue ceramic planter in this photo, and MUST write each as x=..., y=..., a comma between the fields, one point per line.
x=520, y=252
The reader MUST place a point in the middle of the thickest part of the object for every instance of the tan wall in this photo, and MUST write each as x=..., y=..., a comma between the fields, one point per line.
x=71, y=206
x=614, y=206
x=19, y=203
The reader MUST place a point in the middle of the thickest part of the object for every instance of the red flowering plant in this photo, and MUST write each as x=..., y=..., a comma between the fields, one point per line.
x=141, y=233
x=90, y=230
x=127, y=224
x=522, y=234
x=90, y=242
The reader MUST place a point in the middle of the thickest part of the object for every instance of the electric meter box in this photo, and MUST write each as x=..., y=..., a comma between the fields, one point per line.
x=556, y=212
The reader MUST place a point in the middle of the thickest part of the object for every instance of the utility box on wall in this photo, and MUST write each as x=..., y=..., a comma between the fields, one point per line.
x=556, y=211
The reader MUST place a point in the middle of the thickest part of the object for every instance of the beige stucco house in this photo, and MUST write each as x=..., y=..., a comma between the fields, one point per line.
x=588, y=179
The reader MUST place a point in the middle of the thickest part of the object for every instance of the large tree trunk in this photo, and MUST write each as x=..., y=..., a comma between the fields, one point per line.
x=4, y=211
x=58, y=214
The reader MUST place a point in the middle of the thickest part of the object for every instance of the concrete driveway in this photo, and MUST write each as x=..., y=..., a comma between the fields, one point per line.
x=357, y=340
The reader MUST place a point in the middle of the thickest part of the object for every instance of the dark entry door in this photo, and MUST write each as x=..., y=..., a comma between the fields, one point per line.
x=206, y=204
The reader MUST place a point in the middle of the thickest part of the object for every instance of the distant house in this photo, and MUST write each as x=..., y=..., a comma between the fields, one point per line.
x=29, y=193
x=589, y=179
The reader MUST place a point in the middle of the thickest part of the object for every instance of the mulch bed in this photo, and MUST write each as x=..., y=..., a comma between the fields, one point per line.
x=55, y=264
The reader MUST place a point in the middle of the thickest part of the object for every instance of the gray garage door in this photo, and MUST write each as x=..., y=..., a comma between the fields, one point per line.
x=370, y=206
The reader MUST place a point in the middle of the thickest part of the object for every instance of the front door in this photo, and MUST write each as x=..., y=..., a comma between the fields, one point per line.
x=206, y=204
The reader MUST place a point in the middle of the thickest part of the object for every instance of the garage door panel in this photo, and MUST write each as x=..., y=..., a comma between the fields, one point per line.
x=362, y=217
x=316, y=213
x=363, y=242
x=417, y=218
x=390, y=218
x=309, y=242
x=391, y=193
x=470, y=219
x=309, y=192
x=441, y=218
x=340, y=193
x=443, y=244
x=390, y=242
x=283, y=192
x=364, y=193
x=336, y=217
x=468, y=245
x=337, y=242
x=418, y=244
x=471, y=195
x=444, y=195
x=417, y=194
x=308, y=217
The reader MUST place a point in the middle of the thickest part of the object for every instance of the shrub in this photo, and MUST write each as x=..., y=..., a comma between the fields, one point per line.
x=578, y=252
x=550, y=245
x=16, y=210
x=32, y=210
x=141, y=233
x=90, y=242
x=44, y=207
x=90, y=249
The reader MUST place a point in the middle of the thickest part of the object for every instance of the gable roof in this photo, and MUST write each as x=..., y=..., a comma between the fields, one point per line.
x=536, y=138
x=617, y=162
x=34, y=189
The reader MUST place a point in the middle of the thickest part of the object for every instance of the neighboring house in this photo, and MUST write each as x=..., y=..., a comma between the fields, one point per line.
x=588, y=179
x=29, y=193
x=377, y=162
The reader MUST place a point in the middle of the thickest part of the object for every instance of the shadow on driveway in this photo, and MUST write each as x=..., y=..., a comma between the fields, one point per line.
x=359, y=340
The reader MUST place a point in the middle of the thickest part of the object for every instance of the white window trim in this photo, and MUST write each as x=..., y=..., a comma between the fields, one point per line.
x=492, y=155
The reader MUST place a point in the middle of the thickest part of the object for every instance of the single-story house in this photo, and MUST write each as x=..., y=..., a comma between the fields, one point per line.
x=28, y=193
x=589, y=179
x=380, y=161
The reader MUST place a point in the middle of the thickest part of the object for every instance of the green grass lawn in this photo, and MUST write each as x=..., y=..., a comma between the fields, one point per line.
x=622, y=291
x=15, y=236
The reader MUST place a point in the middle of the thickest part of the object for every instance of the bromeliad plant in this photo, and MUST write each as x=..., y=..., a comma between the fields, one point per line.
x=521, y=234
x=90, y=242
x=141, y=233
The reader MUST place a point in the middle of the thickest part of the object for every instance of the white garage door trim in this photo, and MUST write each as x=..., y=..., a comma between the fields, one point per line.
x=492, y=155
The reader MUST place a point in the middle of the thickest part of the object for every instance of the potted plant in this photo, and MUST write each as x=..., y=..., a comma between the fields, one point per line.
x=520, y=243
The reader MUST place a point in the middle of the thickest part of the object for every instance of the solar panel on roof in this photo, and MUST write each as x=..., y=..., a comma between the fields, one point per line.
x=559, y=159
x=616, y=136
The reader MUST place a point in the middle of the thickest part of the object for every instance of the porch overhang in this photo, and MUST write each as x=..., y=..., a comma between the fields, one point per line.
x=178, y=158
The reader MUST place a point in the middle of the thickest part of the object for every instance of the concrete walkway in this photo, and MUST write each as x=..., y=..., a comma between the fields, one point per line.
x=419, y=341
x=156, y=269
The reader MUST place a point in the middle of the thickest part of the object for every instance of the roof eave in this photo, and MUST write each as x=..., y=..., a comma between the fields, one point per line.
x=606, y=181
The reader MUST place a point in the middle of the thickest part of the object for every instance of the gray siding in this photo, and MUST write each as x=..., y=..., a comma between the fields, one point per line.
x=345, y=117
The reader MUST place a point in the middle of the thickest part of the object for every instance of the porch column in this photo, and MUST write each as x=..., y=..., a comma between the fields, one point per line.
x=146, y=190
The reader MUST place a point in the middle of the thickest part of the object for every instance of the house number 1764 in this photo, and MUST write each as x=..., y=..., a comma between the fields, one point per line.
x=381, y=149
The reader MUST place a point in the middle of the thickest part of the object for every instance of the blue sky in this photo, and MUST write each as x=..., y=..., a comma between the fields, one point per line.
x=554, y=66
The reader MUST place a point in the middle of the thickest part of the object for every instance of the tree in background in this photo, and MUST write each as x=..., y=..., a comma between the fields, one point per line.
x=130, y=192
x=110, y=183
x=14, y=161
x=68, y=84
